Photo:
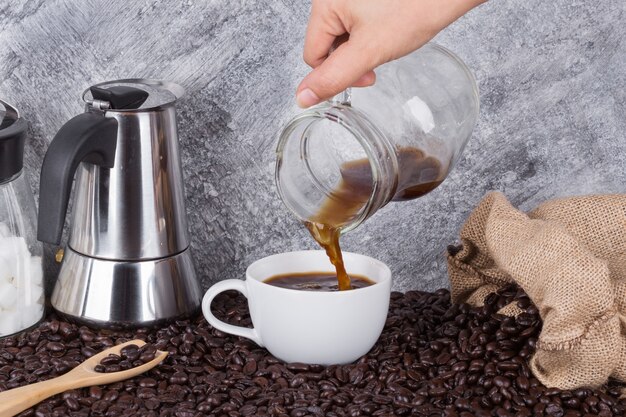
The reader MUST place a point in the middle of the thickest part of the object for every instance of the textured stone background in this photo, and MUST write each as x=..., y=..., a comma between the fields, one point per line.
x=552, y=76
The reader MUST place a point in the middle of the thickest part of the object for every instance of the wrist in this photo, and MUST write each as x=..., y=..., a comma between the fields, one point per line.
x=454, y=9
x=464, y=6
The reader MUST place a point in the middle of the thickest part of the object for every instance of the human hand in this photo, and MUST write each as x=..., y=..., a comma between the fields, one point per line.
x=379, y=31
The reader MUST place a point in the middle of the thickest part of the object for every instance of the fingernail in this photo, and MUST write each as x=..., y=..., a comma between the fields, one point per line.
x=307, y=98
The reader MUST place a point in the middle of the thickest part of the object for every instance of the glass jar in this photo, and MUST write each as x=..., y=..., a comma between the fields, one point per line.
x=21, y=267
x=341, y=161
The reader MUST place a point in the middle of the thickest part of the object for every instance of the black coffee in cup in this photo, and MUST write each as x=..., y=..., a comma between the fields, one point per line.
x=315, y=281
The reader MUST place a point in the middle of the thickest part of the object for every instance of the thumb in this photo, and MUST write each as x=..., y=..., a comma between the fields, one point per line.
x=343, y=68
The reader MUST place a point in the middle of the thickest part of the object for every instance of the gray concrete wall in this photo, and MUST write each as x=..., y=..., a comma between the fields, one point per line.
x=552, y=76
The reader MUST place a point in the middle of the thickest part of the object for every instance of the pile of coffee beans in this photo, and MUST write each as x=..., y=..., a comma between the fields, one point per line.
x=130, y=356
x=433, y=359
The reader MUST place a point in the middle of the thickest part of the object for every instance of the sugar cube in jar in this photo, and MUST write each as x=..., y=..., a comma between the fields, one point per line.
x=21, y=268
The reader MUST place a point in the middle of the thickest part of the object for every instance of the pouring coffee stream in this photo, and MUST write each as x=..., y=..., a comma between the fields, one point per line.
x=419, y=174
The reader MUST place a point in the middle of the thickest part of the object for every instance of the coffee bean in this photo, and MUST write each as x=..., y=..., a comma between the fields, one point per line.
x=72, y=404
x=554, y=410
x=507, y=366
x=247, y=410
x=298, y=367
x=490, y=369
x=51, y=346
x=507, y=354
x=501, y=382
x=99, y=407
x=477, y=365
x=437, y=391
x=147, y=382
x=111, y=359
x=110, y=395
x=130, y=353
x=178, y=378
x=250, y=367
x=443, y=358
x=297, y=381
x=459, y=366
x=433, y=358
x=522, y=383
x=147, y=353
x=381, y=399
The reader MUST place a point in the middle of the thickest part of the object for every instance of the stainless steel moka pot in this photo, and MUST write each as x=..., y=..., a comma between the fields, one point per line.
x=128, y=261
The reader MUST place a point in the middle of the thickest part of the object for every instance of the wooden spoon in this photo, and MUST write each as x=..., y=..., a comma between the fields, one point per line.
x=19, y=399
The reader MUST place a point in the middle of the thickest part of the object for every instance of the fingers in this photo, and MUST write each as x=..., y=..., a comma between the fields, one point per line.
x=351, y=64
x=344, y=68
x=323, y=28
x=367, y=79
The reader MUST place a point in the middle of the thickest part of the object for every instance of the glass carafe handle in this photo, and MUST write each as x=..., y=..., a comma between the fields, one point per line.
x=344, y=98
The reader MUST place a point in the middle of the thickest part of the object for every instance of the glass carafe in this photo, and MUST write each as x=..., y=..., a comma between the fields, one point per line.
x=397, y=140
x=21, y=268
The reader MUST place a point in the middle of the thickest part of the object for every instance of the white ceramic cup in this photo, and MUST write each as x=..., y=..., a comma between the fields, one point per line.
x=309, y=326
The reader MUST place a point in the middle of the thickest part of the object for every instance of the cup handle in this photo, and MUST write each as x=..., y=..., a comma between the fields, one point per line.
x=229, y=284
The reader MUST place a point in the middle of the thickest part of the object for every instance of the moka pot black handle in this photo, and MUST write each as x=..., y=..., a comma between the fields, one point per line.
x=88, y=137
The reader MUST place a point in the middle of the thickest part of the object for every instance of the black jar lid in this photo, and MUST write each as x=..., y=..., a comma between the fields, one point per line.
x=12, y=134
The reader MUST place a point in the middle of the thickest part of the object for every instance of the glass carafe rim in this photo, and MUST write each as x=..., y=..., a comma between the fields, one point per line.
x=367, y=135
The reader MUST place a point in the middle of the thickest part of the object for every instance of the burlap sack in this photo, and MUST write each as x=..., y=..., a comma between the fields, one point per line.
x=569, y=255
